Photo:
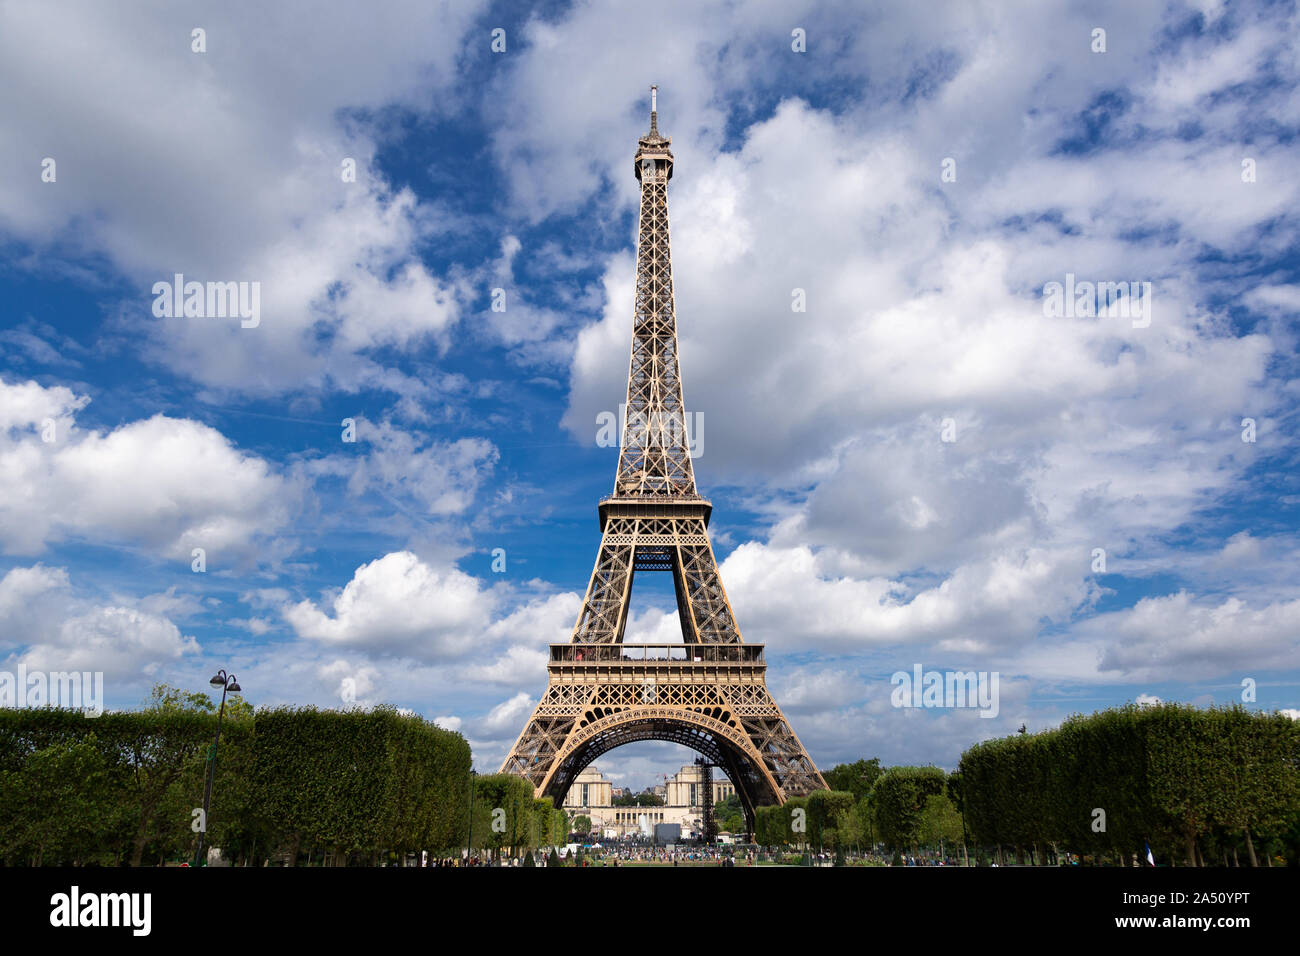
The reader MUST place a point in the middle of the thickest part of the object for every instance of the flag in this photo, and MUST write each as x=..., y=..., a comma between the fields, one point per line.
x=1150, y=859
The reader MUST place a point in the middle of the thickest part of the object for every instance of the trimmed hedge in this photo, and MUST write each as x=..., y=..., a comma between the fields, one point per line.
x=122, y=788
x=899, y=801
x=360, y=781
x=1169, y=775
x=133, y=777
x=508, y=817
x=822, y=814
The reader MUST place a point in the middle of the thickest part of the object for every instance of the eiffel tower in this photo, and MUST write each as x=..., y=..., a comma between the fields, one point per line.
x=708, y=692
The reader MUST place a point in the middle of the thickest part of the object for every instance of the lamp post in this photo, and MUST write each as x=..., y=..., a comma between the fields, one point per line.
x=227, y=684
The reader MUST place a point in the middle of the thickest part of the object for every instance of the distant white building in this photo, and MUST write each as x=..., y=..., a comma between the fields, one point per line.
x=591, y=789
x=591, y=795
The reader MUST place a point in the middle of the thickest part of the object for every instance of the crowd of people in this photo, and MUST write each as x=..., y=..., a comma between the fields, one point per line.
x=689, y=855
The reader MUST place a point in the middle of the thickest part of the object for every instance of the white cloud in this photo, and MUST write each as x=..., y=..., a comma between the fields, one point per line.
x=516, y=667
x=168, y=484
x=1180, y=635
x=398, y=605
x=508, y=716
x=788, y=599
x=247, y=139
x=805, y=689
x=442, y=477
x=122, y=642
x=47, y=623
x=515, y=648
x=20, y=587
x=354, y=684
x=28, y=406
x=540, y=621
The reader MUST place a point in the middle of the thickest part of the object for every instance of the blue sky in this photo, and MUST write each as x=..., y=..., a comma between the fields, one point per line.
x=854, y=540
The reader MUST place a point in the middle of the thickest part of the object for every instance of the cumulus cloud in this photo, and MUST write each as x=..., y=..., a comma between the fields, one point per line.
x=178, y=138
x=34, y=601
x=122, y=642
x=354, y=684
x=21, y=587
x=509, y=715
x=49, y=623
x=1181, y=635
x=515, y=648
x=399, y=605
x=27, y=406
x=793, y=602
x=166, y=483
x=517, y=666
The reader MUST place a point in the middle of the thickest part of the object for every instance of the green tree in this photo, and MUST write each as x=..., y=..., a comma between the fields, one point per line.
x=361, y=782
x=58, y=809
x=939, y=823
x=857, y=778
x=899, y=797
x=850, y=831
x=508, y=800
x=826, y=808
x=729, y=814
x=168, y=746
x=164, y=697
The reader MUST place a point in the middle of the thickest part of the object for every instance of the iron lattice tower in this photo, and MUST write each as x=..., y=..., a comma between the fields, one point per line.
x=709, y=692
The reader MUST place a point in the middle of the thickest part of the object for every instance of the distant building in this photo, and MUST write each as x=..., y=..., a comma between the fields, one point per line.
x=685, y=789
x=591, y=795
x=590, y=790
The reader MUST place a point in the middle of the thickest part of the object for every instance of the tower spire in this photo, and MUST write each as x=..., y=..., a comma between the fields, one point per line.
x=654, y=139
x=656, y=457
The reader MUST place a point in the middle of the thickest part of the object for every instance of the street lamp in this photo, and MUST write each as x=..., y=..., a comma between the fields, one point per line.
x=227, y=684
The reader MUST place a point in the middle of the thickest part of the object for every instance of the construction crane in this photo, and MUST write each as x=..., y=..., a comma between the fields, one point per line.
x=710, y=826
